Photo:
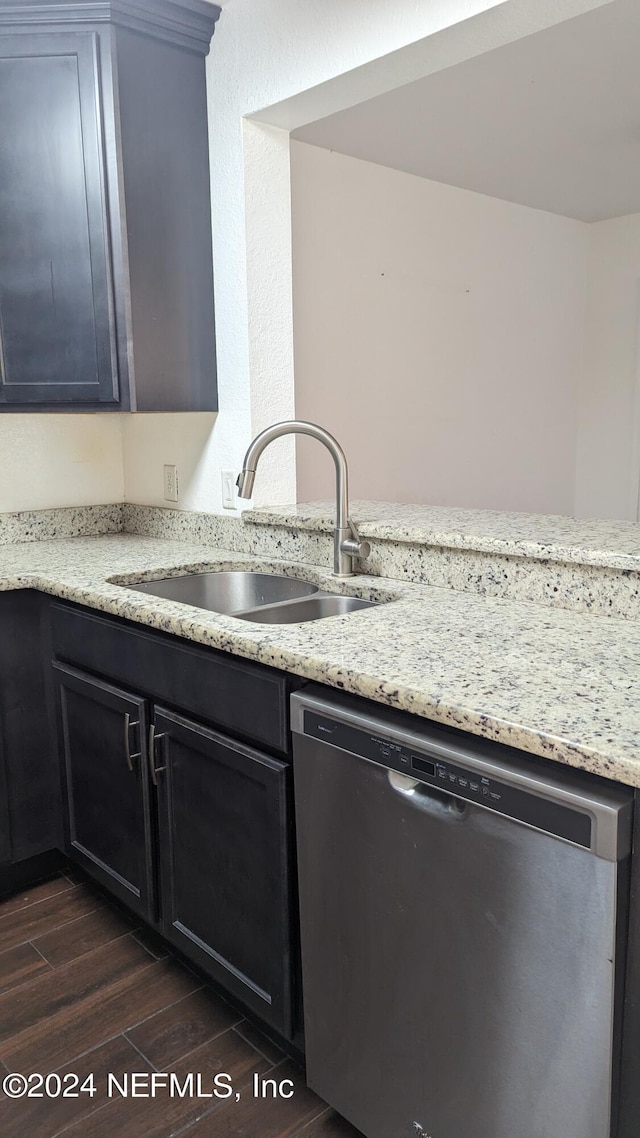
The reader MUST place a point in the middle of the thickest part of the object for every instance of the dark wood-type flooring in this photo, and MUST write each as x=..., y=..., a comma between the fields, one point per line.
x=83, y=990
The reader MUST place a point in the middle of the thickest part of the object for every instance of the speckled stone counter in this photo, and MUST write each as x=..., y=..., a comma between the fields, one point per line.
x=560, y=562
x=554, y=561
x=547, y=537
x=555, y=683
x=74, y=521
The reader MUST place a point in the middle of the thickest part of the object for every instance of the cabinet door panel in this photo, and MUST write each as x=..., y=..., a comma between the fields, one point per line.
x=31, y=773
x=107, y=785
x=224, y=829
x=56, y=324
x=5, y=831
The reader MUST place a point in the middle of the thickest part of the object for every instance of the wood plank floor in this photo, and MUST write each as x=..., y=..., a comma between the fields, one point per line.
x=84, y=991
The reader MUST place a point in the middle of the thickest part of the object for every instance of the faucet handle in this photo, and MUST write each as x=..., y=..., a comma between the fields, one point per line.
x=353, y=545
x=359, y=549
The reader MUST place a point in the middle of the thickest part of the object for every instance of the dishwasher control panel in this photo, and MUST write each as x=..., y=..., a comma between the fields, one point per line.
x=536, y=810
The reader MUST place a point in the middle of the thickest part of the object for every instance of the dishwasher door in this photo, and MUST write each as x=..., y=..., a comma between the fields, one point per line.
x=459, y=920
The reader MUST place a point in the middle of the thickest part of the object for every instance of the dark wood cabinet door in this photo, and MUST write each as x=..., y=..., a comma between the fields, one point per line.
x=103, y=733
x=5, y=829
x=29, y=771
x=224, y=829
x=57, y=335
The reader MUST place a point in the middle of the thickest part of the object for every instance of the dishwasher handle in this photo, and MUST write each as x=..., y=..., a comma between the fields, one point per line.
x=427, y=798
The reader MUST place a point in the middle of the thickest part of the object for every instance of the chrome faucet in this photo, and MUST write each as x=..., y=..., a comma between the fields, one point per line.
x=346, y=541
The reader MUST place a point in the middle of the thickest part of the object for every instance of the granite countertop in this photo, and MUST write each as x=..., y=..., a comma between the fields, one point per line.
x=555, y=683
x=552, y=537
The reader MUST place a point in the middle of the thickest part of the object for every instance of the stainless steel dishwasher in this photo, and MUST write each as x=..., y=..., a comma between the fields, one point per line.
x=463, y=914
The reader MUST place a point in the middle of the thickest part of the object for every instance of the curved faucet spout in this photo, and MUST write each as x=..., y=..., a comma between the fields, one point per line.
x=347, y=544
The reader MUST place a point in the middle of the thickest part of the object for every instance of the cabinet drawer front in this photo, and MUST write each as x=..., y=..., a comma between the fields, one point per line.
x=225, y=822
x=102, y=740
x=246, y=699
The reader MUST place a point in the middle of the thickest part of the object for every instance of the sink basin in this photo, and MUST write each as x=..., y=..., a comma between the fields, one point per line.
x=266, y=598
x=312, y=608
x=228, y=591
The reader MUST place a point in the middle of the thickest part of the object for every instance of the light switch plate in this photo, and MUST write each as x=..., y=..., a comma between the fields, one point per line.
x=228, y=490
x=171, y=483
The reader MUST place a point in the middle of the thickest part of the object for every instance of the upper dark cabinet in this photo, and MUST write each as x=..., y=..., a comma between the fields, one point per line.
x=106, y=279
x=55, y=275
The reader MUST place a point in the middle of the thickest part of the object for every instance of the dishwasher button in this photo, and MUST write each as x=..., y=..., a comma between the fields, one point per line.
x=463, y=781
x=474, y=786
x=485, y=791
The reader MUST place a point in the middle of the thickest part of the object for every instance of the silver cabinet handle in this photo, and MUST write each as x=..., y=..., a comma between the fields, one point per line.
x=153, y=769
x=127, y=740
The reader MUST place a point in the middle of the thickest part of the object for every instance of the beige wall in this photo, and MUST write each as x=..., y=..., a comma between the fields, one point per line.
x=48, y=461
x=608, y=460
x=185, y=441
x=439, y=334
x=346, y=53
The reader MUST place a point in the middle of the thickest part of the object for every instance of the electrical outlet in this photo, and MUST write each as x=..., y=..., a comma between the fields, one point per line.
x=228, y=490
x=171, y=484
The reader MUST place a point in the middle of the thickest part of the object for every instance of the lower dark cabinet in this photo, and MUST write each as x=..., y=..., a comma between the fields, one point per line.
x=5, y=818
x=109, y=812
x=225, y=861
x=30, y=806
x=190, y=828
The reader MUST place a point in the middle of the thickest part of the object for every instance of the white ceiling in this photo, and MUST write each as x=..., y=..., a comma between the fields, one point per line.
x=551, y=121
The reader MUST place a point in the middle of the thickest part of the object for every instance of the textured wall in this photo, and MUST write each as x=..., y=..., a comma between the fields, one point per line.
x=60, y=460
x=263, y=54
x=608, y=466
x=439, y=333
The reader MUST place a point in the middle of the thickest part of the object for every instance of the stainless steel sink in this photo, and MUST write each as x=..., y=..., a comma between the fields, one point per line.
x=312, y=608
x=266, y=598
x=228, y=591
